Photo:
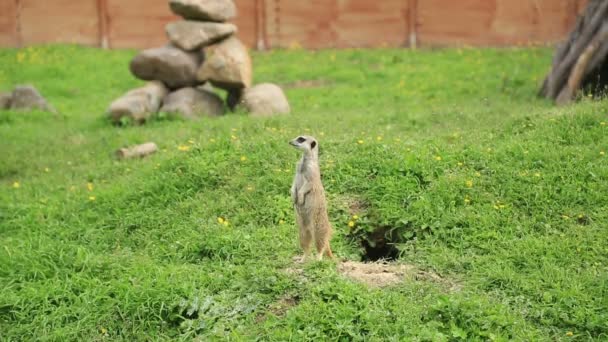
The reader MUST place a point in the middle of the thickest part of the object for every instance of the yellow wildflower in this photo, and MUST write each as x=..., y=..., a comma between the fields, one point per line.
x=243, y=158
x=565, y=217
x=46, y=169
x=92, y=198
x=351, y=224
x=16, y=185
x=602, y=123
x=460, y=164
x=233, y=137
x=438, y=158
x=220, y=220
x=467, y=200
x=602, y=153
x=281, y=221
x=355, y=217
x=90, y=186
x=537, y=174
x=360, y=142
x=469, y=184
x=249, y=188
x=183, y=148
x=569, y=333
x=226, y=223
x=379, y=138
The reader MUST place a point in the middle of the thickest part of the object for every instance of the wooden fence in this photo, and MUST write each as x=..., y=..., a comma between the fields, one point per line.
x=306, y=23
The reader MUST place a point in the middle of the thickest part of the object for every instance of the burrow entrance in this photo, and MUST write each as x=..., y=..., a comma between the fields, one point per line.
x=380, y=245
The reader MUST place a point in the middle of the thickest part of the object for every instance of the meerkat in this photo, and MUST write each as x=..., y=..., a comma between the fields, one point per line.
x=308, y=196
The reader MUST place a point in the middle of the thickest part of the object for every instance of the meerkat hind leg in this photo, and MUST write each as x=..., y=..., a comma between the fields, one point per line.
x=323, y=247
x=305, y=242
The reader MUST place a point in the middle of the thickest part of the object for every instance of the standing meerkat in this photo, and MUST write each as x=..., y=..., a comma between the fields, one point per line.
x=308, y=198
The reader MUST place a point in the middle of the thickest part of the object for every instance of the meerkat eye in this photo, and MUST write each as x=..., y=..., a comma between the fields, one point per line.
x=301, y=140
x=313, y=144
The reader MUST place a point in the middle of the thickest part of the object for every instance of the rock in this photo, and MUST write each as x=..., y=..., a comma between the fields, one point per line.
x=207, y=86
x=5, y=100
x=205, y=10
x=228, y=65
x=265, y=99
x=191, y=103
x=138, y=104
x=192, y=35
x=26, y=97
x=169, y=64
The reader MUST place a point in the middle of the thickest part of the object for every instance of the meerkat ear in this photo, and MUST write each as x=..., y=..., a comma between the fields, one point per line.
x=313, y=144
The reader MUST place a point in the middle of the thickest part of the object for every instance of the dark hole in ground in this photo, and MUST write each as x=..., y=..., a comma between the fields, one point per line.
x=596, y=82
x=380, y=245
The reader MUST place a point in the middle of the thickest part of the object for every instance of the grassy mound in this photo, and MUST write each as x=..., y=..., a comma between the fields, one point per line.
x=447, y=153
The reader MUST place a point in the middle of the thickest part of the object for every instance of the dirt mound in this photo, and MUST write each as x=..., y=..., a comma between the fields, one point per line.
x=383, y=274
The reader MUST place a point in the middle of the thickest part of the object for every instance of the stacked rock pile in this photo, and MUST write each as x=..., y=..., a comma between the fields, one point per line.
x=203, y=52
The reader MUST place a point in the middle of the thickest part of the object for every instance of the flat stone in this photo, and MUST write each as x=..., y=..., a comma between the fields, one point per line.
x=138, y=104
x=228, y=65
x=192, y=35
x=205, y=10
x=176, y=68
x=191, y=103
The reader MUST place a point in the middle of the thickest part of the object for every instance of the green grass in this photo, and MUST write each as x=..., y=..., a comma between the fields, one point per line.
x=484, y=184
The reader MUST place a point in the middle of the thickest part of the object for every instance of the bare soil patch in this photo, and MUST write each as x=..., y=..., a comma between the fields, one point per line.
x=384, y=274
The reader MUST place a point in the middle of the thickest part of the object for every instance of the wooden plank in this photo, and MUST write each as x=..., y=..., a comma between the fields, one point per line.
x=138, y=23
x=8, y=23
x=412, y=11
x=246, y=21
x=341, y=23
x=103, y=20
x=494, y=22
x=63, y=21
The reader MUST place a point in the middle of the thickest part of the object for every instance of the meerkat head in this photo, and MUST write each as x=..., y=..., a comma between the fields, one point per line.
x=305, y=143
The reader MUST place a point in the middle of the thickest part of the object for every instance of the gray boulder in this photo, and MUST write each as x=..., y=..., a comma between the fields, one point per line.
x=169, y=64
x=228, y=65
x=26, y=97
x=265, y=99
x=138, y=104
x=192, y=35
x=191, y=103
x=5, y=100
x=205, y=10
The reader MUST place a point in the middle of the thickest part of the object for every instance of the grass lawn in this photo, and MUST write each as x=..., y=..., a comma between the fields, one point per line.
x=449, y=151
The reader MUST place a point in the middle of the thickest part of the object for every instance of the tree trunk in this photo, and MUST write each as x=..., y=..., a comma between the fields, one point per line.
x=585, y=52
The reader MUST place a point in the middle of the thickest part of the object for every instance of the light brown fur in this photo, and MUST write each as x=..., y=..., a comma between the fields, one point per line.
x=308, y=196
